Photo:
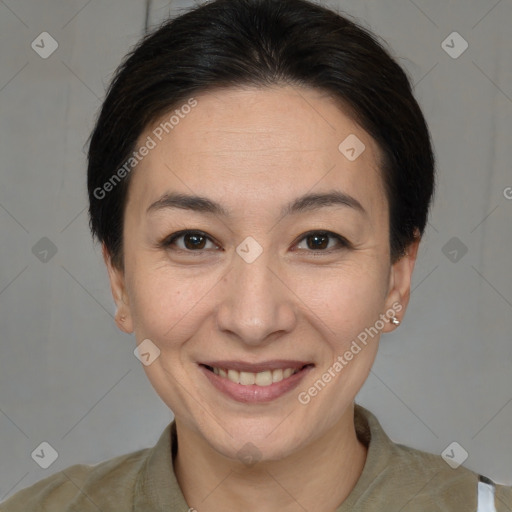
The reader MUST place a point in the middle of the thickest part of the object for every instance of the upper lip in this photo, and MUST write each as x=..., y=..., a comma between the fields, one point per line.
x=243, y=366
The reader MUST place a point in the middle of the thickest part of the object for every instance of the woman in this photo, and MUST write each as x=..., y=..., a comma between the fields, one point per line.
x=260, y=177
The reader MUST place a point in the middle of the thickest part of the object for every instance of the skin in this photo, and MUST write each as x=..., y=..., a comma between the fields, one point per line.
x=254, y=150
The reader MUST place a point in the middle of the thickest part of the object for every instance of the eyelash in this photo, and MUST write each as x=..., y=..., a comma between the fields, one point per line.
x=343, y=242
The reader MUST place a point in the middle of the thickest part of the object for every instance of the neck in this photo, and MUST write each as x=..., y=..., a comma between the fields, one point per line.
x=318, y=477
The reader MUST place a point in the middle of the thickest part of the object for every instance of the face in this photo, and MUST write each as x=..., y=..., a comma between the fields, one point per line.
x=255, y=284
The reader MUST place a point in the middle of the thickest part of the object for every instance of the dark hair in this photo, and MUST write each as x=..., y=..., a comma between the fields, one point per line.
x=229, y=43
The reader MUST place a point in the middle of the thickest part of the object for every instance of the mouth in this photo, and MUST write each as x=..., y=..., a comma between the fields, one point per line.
x=262, y=382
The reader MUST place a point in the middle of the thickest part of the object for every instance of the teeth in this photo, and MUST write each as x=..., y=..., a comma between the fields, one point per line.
x=265, y=378
x=277, y=375
x=247, y=378
x=234, y=376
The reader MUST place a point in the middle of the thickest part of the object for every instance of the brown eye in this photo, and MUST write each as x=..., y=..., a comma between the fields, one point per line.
x=191, y=241
x=194, y=241
x=318, y=241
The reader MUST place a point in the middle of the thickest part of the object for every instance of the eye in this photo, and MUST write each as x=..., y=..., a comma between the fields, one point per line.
x=318, y=241
x=193, y=241
x=196, y=241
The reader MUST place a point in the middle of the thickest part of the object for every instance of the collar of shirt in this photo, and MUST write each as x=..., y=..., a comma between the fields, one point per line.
x=157, y=488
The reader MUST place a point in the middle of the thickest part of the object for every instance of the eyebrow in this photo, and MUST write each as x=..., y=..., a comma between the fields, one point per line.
x=304, y=203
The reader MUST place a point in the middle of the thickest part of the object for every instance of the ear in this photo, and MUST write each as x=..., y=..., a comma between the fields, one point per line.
x=400, y=277
x=123, y=315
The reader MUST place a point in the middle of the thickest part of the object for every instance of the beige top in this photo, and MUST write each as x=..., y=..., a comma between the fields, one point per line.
x=394, y=478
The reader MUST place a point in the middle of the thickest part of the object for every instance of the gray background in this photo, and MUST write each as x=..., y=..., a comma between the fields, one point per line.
x=68, y=376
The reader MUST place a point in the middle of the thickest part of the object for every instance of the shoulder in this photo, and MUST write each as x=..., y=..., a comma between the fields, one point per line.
x=413, y=480
x=434, y=484
x=83, y=487
x=503, y=497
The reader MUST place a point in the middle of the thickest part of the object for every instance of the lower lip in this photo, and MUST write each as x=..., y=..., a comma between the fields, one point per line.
x=253, y=393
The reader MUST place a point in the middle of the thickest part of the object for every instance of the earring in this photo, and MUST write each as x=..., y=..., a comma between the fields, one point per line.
x=394, y=320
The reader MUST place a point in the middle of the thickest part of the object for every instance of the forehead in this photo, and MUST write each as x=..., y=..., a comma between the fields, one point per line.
x=265, y=145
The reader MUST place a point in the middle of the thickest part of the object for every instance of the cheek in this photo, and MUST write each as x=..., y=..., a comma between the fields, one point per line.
x=169, y=305
x=163, y=302
x=347, y=299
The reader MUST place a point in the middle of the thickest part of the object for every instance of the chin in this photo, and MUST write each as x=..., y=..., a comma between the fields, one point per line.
x=256, y=439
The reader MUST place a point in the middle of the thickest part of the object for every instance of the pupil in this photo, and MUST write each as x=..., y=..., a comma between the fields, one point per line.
x=194, y=241
x=316, y=237
x=193, y=245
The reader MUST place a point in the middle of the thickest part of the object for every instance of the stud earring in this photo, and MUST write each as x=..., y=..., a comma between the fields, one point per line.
x=394, y=320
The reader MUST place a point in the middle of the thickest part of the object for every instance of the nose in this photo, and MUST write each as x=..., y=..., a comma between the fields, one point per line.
x=257, y=303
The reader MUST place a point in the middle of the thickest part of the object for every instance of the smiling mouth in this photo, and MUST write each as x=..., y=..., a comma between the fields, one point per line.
x=263, y=379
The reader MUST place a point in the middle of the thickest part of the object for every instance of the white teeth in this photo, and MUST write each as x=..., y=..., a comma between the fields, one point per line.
x=265, y=378
x=234, y=376
x=277, y=375
x=247, y=378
